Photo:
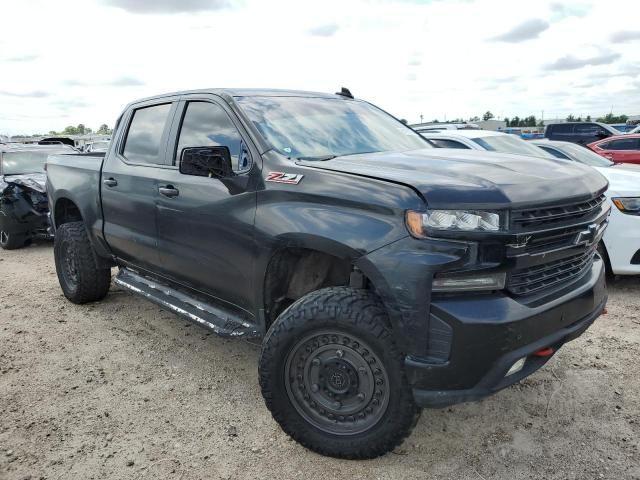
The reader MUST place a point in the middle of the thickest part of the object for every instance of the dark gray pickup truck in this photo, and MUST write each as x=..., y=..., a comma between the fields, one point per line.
x=385, y=276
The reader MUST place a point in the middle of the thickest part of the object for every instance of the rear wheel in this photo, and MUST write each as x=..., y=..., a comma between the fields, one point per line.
x=333, y=377
x=12, y=241
x=80, y=278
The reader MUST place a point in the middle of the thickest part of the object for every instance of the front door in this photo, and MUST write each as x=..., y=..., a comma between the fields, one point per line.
x=206, y=225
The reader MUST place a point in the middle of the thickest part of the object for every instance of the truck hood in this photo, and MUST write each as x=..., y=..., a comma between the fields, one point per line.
x=622, y=181
x=455, y=178
x=31, y=181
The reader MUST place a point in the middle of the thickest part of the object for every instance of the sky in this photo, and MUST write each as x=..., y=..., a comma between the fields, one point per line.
x=67, y=62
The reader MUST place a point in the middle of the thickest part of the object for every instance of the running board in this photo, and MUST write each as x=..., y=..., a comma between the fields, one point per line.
x=214, y=318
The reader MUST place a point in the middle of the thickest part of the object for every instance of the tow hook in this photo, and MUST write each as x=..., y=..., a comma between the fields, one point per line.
x=544, y=352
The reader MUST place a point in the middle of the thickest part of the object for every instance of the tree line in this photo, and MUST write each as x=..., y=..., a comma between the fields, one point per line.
x=82, y=130
x=532, y=121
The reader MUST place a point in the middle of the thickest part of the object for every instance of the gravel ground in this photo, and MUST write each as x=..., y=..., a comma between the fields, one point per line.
x=122, y=389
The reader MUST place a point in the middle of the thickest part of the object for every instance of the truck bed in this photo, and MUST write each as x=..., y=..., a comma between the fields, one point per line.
x=79, y=173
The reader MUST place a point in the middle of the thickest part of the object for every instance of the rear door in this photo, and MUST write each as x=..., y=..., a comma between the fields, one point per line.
x=129, y=186
x=206, y=225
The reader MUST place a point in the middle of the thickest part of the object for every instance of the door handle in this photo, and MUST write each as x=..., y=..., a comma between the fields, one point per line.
x=110, y=182
x=169, y=191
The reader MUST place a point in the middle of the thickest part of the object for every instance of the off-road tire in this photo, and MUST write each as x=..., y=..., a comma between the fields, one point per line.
x=79, y=276
x=360, y=319
x=12, y=241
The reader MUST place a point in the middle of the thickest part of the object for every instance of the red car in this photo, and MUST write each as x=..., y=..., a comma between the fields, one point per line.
x=618, y=149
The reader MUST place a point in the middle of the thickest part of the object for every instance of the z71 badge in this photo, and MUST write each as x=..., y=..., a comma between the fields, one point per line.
x=281, y=177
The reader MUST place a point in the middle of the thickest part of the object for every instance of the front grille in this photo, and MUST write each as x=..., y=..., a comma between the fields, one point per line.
x=531, y=280
x=543, y=218
x=554, y=245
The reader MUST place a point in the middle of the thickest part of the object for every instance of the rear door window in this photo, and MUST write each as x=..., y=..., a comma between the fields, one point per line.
x=555, y=153
x=443, y=143
x=623, y=144
x=562, y=128
x=588, y=129
x=144, y=139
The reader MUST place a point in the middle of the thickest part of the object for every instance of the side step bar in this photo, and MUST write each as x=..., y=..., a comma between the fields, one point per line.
x=214, y=318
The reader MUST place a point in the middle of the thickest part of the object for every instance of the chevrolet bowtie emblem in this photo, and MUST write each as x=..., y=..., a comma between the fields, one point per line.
x=587, y=237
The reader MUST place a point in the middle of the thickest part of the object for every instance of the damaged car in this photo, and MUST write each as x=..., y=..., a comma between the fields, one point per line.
x=24, y=211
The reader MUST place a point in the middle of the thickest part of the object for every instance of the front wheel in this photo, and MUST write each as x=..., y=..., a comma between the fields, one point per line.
x=333, y=377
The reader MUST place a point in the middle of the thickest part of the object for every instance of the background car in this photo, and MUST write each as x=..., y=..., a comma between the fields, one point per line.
x=579, y=132
x=24, y=211
x=483, y=140
x=635, y=130
x=623, y=127
x=100, y=146
x=437, y=127
x=620, y=149
x=621, y=248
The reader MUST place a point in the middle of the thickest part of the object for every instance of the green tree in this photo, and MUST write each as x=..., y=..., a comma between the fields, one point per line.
x=506, y=122
x=571, y=118
x=487, y=116
x=105, y=130
x=70, y=130
x=611, y=118
x=475, y=118
x=52, y=132
x=588, y=119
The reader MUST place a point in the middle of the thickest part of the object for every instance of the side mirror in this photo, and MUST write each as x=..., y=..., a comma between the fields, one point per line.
x=213, y=162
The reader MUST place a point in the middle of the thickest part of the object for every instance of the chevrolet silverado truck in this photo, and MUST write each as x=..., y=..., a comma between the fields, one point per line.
x=383, y=275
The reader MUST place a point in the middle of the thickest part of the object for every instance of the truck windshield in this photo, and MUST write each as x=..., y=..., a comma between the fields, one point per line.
x=27, y=161
x=321, y=128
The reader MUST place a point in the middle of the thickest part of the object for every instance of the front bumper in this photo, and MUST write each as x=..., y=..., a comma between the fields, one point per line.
x=21, y=219
x=491, y=332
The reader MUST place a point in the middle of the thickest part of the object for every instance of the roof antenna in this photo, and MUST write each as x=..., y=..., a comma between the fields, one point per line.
x=344, y=92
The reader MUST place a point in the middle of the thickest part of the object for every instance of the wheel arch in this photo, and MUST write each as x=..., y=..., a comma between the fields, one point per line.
x=65, y=210
x=299, y=264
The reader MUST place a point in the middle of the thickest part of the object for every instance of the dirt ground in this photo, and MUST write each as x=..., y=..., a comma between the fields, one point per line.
x=122, y=389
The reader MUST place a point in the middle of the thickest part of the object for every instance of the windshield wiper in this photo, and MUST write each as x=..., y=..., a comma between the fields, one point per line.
x=323, y=158
x=320, y=158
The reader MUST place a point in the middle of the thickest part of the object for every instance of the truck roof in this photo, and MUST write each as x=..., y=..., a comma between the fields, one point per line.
x=246, y=92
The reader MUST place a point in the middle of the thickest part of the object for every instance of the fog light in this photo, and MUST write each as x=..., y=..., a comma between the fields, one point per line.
x=448, y=283
x=516, y=367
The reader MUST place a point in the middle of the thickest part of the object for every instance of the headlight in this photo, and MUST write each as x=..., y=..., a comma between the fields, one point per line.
x=628, y=205
x=452, y=220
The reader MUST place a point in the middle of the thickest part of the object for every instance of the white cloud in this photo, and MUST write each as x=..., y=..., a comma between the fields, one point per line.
x=169, y=6
x=409, y=57
x=527, y=30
